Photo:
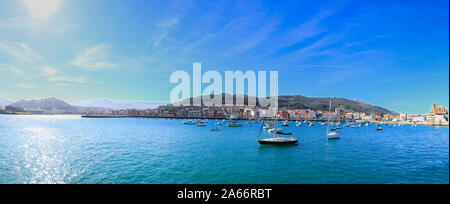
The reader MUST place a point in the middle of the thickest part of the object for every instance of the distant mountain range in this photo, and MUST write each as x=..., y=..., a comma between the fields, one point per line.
x=117, y=105
x=4, y=101
x=317, y=104
x=48, y=104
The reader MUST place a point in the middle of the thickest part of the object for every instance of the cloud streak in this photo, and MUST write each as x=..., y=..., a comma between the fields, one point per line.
x=94, y=58
x=25, y=66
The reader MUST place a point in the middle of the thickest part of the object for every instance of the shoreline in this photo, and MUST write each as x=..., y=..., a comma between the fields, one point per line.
x=239, y=119
x=251, y=119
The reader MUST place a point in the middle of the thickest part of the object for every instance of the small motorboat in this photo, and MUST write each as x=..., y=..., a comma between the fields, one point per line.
x=200, y=123
x=333, y=134
x=286, y=123
x=272, y=130
x=267, y=126
x=379, y=128
x=187, y=122
x=234, y=124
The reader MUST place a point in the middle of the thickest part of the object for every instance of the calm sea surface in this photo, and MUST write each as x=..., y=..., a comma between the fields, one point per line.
x=70, y=149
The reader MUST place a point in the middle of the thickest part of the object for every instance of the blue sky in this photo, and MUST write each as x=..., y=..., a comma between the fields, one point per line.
x=388, y=53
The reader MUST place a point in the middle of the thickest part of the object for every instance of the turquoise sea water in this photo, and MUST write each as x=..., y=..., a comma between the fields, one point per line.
x=70, y=149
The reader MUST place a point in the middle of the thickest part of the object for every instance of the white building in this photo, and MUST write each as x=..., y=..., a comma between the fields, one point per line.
x=418, y=119
x=356, y=116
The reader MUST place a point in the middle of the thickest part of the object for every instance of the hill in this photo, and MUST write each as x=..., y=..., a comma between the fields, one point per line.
x=318, y=104
x=4, y=102
x=48, y=104
x=302, y=102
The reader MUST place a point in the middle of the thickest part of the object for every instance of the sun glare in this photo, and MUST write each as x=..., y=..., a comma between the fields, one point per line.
x=42, y=8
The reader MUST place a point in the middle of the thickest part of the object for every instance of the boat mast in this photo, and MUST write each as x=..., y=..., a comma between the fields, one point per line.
x=329, y=116
x=260, y=130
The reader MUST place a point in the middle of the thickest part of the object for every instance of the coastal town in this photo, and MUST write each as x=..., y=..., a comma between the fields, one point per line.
x=438, y=115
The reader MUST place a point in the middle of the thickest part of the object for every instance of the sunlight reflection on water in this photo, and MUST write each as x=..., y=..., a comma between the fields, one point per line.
x=45, y=160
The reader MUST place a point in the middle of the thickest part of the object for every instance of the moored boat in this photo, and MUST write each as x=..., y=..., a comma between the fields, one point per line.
x=187, y=122
x=200, y=123
x=234, y=124
x=332, y=133
x=217, y=128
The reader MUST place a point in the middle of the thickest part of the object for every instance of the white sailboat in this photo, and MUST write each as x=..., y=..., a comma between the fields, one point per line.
x=332, y=133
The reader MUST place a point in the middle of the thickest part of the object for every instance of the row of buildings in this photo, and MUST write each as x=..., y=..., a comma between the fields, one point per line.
x=438, y=114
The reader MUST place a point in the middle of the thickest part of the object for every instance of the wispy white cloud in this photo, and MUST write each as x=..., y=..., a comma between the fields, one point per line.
x=94, y=58
x=305, y=30
x=168, y=23
x=25, y=66
x=20, y=52
x=165, y=28
x=81, y=79
x=47, y=70
x=318, y=48
x=255, y=39
x=24, y=85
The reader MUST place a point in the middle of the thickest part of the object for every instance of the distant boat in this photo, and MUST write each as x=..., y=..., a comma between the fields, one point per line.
x=200, y=123
x=234, y=124
x=274, y=140
x=333, y=134
x=272, y=130
x=355, y=126
x=217, y=128
x=310, y=124
x=379, y=128
x=188, y=122
x=268, y=125
x=285, y=123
